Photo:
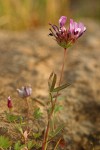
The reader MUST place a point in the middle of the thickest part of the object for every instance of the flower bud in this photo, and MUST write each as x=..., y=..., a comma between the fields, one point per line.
x=9, y=103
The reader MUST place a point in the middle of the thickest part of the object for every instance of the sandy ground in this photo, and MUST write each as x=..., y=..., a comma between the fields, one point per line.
x=29, y=58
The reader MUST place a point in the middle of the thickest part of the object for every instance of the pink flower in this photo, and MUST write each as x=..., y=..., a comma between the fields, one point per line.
x=9, y=102
x=25, y=91
x=66, y=37
x=76, y=29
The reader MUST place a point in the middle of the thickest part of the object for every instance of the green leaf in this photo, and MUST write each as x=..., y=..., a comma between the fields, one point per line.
x=57, y=131
x=4, y=142
x=52, y=81
x=36, y=135
x=37, y=113
x=58, y=108
x=19, y=128
x=51, y=75
x=49, y=80
x=57, y=89
x=30, y=144
x=17, y=145
x=13, y=118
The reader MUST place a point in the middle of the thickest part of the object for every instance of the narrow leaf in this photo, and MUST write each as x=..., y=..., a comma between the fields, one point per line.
x=57, y=89
x=49, y=80
x=57, y=131
x=51, y=75
x=37, y=113
x=53, y=82
x=58, y=108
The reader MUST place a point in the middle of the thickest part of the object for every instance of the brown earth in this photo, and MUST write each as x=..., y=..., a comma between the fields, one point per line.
x=30, y=57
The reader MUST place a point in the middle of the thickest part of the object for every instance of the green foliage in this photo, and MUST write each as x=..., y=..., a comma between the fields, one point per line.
x=13, y=118
x=4, y=142
x=52, y=81
x=56, y=131
x=57, y=89
x=19, y=128
x=18, y=146
x=37, y=113
x=30, y=144
x=36, y=135
x=58, y=108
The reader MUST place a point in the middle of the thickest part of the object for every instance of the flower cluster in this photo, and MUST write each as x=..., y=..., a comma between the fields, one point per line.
x=66, y=37
x=25, y=91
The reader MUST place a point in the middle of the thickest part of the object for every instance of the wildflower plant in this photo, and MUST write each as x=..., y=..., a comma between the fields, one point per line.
x=65, y=38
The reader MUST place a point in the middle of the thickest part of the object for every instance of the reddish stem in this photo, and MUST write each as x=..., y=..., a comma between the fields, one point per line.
x=44, y=145
x=61, y=75
x=62, y=69
x=60, y=80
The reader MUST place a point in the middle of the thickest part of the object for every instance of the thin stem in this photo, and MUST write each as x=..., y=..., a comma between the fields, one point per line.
x=51, y=100
x=27, y=113
x=10, y=110
x=44, y=145
x=60, y=80
x=61, y=75
x=62, y=69
x=57, y=144
x=27, y=108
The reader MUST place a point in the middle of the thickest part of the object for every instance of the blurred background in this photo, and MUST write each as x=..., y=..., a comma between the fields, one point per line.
x=26, y=14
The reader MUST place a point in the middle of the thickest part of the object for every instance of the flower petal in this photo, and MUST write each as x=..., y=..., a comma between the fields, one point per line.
x=71, y=25
x=62, y=21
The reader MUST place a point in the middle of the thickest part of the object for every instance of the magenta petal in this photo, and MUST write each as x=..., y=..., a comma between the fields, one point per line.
x=62, y=21
x=71, y=25
x=81, y=26
x=75, y=25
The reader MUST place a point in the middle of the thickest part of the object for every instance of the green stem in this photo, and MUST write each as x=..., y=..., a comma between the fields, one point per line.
x=51, y=100
x=27, y=113
x=27, y=108
x=57, y=144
